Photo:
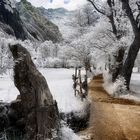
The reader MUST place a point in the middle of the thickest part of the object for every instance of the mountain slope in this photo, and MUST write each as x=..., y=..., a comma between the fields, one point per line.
x=64, y=19
x=57, y=13
x=10, y=21
x=36, y=24
x=26, y=22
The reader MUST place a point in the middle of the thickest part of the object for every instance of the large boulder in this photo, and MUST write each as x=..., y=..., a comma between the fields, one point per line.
x=38, y=107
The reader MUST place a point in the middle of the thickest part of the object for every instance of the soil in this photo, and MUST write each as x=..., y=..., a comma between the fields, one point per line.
x=111, y=118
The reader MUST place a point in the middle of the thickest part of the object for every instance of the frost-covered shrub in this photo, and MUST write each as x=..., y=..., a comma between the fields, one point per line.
x=120, y=87
x=53, y=63
x=5, y=56
x=67, y=133
x=49, y=62
x=115, y=89
x=73, y=63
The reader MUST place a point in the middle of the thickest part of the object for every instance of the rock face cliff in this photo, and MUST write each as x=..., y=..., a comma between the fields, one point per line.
x=10, y=21
x=37, y=24
x=24, y=21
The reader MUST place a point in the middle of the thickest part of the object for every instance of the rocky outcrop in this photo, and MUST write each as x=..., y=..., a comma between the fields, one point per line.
x=37, y=25
x=24, y=21
x=10, y=16
x=37, y=106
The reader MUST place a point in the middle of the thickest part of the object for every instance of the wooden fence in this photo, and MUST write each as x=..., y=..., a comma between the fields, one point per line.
x=80, y=84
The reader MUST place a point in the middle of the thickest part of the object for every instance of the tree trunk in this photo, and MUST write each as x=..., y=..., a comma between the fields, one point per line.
x=118, y=63
x=87, y=64
x=39, y=109
x=134, y=48
x=130, y=60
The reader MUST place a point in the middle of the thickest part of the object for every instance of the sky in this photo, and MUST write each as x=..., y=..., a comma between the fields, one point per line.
x=68, y=4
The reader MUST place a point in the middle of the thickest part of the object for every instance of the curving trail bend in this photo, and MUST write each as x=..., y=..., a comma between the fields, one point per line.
x=111, y=118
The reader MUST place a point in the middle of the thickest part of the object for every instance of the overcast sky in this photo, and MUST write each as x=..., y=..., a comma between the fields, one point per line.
x=68, y=4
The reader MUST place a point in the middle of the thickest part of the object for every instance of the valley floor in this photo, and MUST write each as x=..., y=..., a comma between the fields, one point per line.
x=111, y=118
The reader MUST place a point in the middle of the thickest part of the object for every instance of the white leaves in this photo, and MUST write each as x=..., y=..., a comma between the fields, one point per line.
x=114, y=89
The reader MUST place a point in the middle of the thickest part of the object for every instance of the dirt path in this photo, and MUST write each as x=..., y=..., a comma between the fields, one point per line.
x=111, y=118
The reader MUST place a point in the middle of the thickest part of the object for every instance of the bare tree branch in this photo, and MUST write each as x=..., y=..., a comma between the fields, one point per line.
x=96, y=8
x=110, y=16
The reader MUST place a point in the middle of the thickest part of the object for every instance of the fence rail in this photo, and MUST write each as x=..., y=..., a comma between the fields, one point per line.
x=80, y=86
